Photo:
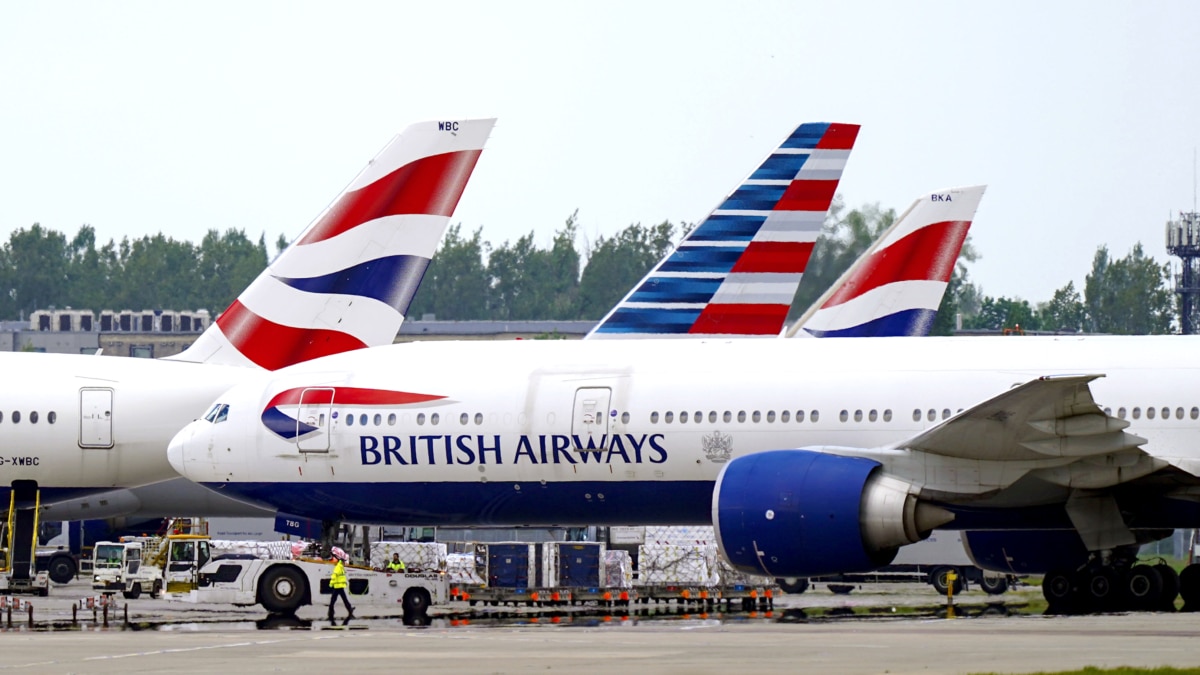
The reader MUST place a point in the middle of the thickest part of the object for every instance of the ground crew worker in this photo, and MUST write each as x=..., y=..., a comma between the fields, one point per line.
x=337, y=588
x=396, y=564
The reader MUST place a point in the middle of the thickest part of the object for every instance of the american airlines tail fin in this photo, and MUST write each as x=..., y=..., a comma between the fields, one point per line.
x=737, y=272
x=349, y=278
x=896, y=286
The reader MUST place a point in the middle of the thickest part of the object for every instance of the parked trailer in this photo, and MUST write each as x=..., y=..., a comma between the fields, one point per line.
x=929, y=561
x=283, y=586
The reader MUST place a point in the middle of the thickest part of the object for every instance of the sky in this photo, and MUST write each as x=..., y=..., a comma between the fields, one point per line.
x=1083, y=118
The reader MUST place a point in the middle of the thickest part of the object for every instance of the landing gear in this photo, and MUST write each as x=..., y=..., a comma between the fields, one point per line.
x=1117, y=587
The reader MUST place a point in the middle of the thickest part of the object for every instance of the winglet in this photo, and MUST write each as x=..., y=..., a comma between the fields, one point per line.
x=347, y=281
x=737, y=272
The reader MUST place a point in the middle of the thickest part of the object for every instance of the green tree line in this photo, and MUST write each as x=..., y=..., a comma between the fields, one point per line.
x=470, y=279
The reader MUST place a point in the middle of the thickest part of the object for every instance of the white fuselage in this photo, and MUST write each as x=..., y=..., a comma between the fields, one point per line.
x=101, y=422
x=502, y=443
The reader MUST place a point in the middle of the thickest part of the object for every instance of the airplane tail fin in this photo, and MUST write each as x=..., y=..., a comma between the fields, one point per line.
x=896, y=286
x=347, y=281
x=737, y=272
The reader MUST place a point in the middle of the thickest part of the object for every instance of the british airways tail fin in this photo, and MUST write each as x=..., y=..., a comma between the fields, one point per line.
x=896, y=286
x=737, y=272
x=349, y=278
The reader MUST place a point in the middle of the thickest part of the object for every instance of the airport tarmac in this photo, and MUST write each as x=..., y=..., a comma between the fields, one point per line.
x=898, y=628
x=869, y=631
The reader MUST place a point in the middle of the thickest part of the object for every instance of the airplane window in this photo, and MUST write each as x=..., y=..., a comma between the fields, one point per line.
x=712, y=416
x=1121, y=413
x=1137, y=412
x=843, y=416
x=211, y=415
x=625, y=418
x=1107, y=411
x=222, y=414
x=727, y=417
x=872, y=416
x=945, y=413
x=462, y=419
x=16, y=417
x=857, y=415
x=377, y=420
x=478, y=419
x=785, y=416
x=916, y=415
x=1166, y=413
x=756, y=417
x=392, y=419
x=770, y=415
x=683, y=417
x=813, y=416
x=669, y=417
x=434, y=418
x=1178, y=414
x=1149, y=413
x=52, y=416
x=741, y=416
x=33, y=417
x=2, y=415
x=654, y=417
x=420, y=418
x=698, y=417
x=321, y=419
x=1195, y=412
x=349, y=420
x=799, y=416
x=887, y=415
x=931, y=415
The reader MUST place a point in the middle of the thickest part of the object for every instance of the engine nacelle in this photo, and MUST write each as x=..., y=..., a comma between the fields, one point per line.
x=799, y=513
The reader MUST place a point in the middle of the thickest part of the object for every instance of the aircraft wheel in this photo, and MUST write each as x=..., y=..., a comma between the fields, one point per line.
x=1189, y=585
x=282, y=590
x=1058, y=587
x=1170, y=590
x=1104, y=589
x=1143, y=586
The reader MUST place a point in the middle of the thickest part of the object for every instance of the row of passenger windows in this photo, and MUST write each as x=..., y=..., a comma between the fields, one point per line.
x=684, y=417
x=15, y=417
x=1151, y=413
x=757, y=416
x=433, y=419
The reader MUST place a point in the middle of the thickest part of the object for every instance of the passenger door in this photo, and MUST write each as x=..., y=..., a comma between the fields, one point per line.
x=316, y=407
x=589, y=420
x=95, y=417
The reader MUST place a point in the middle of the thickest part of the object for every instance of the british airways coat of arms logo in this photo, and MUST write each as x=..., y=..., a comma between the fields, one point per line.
x=717, y=447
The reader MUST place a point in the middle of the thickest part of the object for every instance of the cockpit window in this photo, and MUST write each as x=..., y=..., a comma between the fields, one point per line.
x=218, y=413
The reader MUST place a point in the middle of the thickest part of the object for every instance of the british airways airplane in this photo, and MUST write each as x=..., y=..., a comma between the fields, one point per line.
x=83, y=425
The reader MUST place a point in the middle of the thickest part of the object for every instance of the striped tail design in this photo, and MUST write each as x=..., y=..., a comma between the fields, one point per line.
x=896, y=287
x=737, y=272
x=349, y=278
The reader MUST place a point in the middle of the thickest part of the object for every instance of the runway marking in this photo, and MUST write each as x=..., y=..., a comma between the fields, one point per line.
x=226, y=645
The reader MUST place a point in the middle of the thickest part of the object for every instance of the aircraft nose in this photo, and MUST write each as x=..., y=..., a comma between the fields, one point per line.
x=177, y=450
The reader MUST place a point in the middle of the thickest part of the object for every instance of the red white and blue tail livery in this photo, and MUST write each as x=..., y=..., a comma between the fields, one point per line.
x=737, y=272
x=347, y=281
x=896, y=287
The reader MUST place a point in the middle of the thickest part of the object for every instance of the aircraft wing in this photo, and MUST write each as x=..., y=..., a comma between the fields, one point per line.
x=1050, y=417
